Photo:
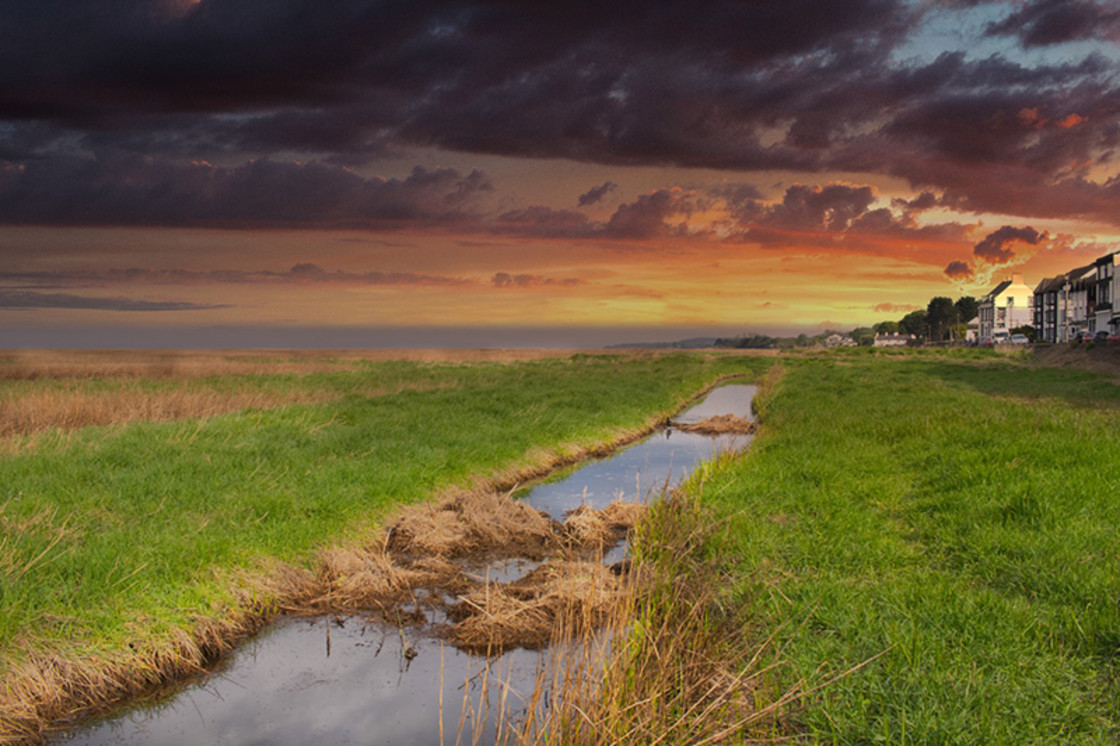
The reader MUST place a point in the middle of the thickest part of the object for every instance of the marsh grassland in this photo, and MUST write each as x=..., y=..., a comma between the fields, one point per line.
x=956, y=516
x=135, y=551
x=919, y=547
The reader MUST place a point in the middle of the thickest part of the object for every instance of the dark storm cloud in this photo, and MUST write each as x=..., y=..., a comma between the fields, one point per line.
x=833, y=215
x=648, y=216
x=719, y=84
x=304, y=273
x=619, y=82
x=1033, y=145
x=958, y=270
x=596, y=194
x=134, y=190
x=32, y=299
x=659, y=213
x=1045, y=22
x=539, y=220
x=924, y=201
x=507, y=280
x=832, y=207
x=996, y=248
x=894, y=307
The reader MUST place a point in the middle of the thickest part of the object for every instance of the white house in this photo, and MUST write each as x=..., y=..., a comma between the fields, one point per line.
x=892, y=340
x=1007, y=306
x=839, y=340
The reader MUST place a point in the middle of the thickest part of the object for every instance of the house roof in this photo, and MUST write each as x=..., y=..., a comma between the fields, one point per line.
x=1050, y=284
x=1081, y=276
x=998, y=289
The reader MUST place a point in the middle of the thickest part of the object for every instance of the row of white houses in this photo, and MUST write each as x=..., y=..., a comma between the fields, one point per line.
x=1059, y=308
x=1077, y=302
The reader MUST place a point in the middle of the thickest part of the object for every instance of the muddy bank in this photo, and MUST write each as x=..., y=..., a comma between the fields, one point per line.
x=386, y=575
x=1100, y=358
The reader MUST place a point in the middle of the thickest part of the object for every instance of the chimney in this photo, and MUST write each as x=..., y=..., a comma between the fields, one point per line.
x=1017, y=278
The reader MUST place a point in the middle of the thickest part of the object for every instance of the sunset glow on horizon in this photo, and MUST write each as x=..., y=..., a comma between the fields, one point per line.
x=472, y=164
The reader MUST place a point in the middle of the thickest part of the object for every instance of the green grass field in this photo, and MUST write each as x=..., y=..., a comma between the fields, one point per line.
x=121, y=533
x=959, y=516
x=942, y=527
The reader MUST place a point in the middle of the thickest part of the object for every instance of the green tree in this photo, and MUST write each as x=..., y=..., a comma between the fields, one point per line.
x=886, y=327
x=914, y=323
x=941, y=314
x=1026, y=329
x=968, y=308
x=863, y=335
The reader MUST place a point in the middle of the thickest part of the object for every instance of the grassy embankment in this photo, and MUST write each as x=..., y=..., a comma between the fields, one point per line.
x=119, y=536
x=957, y=515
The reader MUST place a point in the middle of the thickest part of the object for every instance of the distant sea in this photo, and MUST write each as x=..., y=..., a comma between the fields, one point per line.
x=14, y=336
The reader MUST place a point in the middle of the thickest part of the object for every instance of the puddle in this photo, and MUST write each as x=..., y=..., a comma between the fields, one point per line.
x=500, y=571
x=351, y=680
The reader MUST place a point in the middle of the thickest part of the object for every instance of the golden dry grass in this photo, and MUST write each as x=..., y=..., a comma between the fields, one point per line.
x=53, y=409
x=473, y=523
x=669, y=664
x=28, y=365
x=579, y=596
x=68, y=407
x=593, y=530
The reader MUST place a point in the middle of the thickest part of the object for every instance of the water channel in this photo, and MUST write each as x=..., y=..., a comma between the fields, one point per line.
x=333, y=680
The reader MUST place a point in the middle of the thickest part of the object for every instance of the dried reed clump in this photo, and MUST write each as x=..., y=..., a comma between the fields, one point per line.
x=721, y=424
x=673, y=666
x=472, y=524
x=574, y=595
x=588, y=529
x=353, y=579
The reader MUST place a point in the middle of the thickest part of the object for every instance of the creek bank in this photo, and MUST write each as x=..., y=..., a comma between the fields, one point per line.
x=435, y=566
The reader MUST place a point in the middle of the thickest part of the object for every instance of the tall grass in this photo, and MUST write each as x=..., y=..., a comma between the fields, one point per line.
x=42, y=390
x=957, y=519
x=673, y=663
x=32, y=365
x=45, y=409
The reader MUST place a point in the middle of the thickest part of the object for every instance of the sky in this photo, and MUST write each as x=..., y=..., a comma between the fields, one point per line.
x=364, y=172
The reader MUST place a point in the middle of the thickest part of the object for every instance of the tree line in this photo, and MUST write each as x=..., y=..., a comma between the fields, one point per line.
x=942, y=320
